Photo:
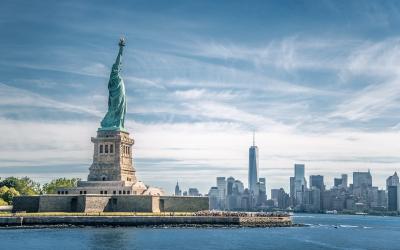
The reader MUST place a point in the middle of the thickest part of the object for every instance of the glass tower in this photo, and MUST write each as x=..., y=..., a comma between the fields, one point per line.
x=253, y=166
x=299, y=183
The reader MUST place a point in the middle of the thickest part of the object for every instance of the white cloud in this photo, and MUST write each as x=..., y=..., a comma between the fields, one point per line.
x=378, y=58
x=379, y=61
x=134, y=81
x=83, y=68
x=203, y=94
x=23, y=98
x=372, y=102
x=203, y=149
x=95, y=69
x=291, y=53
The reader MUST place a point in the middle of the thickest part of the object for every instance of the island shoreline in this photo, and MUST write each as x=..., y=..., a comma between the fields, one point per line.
x=146, y=221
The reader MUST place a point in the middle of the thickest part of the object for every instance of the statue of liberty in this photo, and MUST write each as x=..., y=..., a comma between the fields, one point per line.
x=115, y=117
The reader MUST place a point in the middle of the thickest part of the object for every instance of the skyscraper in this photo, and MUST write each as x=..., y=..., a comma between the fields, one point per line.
x=299, y=171
x=337, y=182
x=229, y=185
x=344, y=181
x=231, y=198
x=253, y=166
x=317, y=181
x=392, y=198
x=299, y=183
x=221, y=184
x=398, y=198
x=393, y=188
x=262, y=191
x=178, y=191
x=392, y=180
x=280, y=198
x=193, y=192
x=238, y=188
x=275, y=194
x=341, y=182
x=213, y=198
x=283, y=199
x=312, y=198
x=362, y=179
x=291, y=191
x=263, y=185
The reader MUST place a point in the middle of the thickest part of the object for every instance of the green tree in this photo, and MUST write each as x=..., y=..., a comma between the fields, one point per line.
x=3, y=203
x=24, y=185
x=9, y=195
x=51, y=188
x=3, y=190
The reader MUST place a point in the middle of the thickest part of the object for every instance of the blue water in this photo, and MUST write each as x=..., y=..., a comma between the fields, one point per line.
x=324, y=232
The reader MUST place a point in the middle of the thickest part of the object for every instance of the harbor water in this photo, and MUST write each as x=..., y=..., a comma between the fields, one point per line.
x=322, y=232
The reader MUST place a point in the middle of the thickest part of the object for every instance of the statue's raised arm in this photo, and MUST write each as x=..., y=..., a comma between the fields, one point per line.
x=121, y=49
x=115, y=117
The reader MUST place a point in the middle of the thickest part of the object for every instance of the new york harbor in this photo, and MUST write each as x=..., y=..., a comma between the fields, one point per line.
x=199, y=124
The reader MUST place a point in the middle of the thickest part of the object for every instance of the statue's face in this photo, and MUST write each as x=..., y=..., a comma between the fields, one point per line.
x=116, y=67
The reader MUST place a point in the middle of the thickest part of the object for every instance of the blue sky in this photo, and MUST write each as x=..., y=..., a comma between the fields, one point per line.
x=317, y=80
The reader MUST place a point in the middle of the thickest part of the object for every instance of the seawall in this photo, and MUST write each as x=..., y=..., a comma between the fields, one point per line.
x=109, y=203
x=145, y=221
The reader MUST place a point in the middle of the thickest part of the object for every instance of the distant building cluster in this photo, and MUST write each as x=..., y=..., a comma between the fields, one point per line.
x=190, y=192
x=230, y=194
x=360, y=196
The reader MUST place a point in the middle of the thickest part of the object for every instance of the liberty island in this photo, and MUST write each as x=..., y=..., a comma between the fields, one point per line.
x=112, y=186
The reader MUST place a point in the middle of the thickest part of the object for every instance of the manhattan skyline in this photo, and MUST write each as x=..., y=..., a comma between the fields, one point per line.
x=318, y=83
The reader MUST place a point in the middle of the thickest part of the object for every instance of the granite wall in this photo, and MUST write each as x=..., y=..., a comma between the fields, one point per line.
x=29, y=204
x=134, y=203
x=109, y=203
x=57, y=203
x=95, y=203
x=183, y=203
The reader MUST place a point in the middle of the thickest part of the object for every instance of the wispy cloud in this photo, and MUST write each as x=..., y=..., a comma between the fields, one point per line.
x=193, y=94
x=291, y=53
x=376, y=58
x=11, y=96
x=379, y=61
x=370, y=103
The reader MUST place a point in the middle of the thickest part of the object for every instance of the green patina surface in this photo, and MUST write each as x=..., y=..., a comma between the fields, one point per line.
x=115, y=117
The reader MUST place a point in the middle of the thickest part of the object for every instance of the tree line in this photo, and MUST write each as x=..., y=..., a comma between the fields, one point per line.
x=14, y=186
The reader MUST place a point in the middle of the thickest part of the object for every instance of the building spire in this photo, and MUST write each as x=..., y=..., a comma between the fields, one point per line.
x=254, y=138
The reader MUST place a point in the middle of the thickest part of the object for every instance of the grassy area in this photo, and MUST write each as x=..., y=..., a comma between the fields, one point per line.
x=97, y=214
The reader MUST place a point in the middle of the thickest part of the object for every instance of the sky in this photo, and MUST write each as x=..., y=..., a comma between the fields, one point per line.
x=318, y=82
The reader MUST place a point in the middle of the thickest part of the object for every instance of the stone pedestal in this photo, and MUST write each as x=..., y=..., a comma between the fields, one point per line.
x=112, y=157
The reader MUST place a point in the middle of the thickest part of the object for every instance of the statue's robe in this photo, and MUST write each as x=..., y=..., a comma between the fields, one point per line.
x=115, y=117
